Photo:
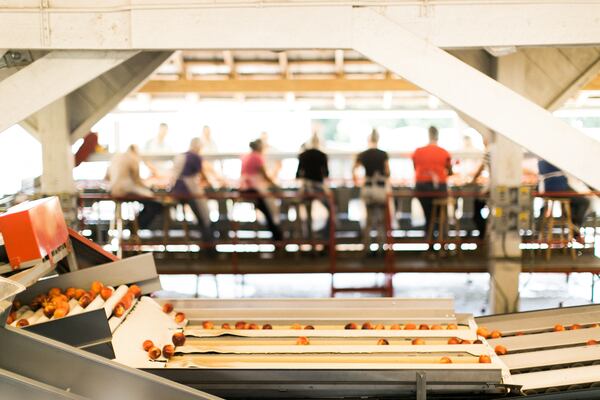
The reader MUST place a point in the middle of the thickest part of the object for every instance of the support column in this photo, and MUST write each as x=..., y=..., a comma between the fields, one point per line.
x=506, y=165
x=57, y=157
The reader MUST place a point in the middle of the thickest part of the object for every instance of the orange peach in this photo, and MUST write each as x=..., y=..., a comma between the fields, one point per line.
x=79, y=293
x=119, y=310
x=106, y=292
x=62, y=311
x=367, y=325
x=135, y=290
x=591, y=342
x=178, y=338
x=379, y=327
x=395, y=327
x=49, y=310
x=485, y=359
x=465, y=341
x=85, y=300
x=59, y=299
x=168, y=350
x=452, y=327
x=410, y=327
x=179, y=317
x=253, y=327
x=296, y=326
x=483, y=332
x=302, y=340
x=594, y=326
x=167, y=308
x=70, y=293
x=225, y=326
x=267, y=326
x=207, y=325
x=495, y=334
x=240, y=325
x=454, y=340
x=92, y=294
x=500, y=350
x=558, y=328
x=147, y=345
x=418, y=341
x=96, y=287
x=575, y=327
x=11, y=317
x=154, y=352
x=445, y=360
x=54, y=292
x=436, y=327
x=424, y=327
x=351, y=325
x=383, y=342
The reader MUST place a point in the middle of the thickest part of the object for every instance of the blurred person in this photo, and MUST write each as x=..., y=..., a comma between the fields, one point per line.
x=432, y=166
x=209, y=147
x=255, y=183
x=313, y=171
x=156, y=146
x=188, y=172
x=480, y=202
x=124, y=180
x=272, y=165
x=375, y=163
x=208, y=144
x=554, y=182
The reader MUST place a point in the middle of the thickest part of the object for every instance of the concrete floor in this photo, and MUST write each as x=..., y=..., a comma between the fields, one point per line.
x=468, y=290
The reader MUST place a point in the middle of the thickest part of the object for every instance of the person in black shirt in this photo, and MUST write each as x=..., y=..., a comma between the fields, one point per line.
x=313, y=170
x=375, y=163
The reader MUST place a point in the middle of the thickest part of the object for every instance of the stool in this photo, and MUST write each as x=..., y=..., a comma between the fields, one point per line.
x=548, y=223
x=439, y=215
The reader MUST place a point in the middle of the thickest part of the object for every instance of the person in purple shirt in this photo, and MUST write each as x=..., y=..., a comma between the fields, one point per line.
x=188, y=174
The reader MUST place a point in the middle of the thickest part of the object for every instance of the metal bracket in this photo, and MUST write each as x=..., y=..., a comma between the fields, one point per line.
x=16, y=59
x=421, y=383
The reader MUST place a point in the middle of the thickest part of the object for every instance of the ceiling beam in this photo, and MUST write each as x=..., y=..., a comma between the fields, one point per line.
x=51, y=77
x=481, y=97
x=339, y=63
x=230, y=62
x=276, y=85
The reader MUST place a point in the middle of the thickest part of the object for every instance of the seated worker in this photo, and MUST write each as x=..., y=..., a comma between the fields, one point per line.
x=432, y=168
x=188, y=172
x=312, y=171
x=124, y=180
x=255, y=183
x=555, y=181
x=375, y=163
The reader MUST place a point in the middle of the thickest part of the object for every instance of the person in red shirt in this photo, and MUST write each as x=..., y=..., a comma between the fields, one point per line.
x=432, y=168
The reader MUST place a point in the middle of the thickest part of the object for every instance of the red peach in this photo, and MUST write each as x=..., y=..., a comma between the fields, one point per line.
x=240, y=325
x=309, y=327
x=575, y=327
x=267, y=326
x=96, y=287
x=22, y=322
x=85, y=300
x=167, y=308
x=178, y=338
x=465, y=341
x=351, y=325
x=207, y=325
x=591, y=342
x=70, y=293
x=424, y=327
x=253, y=326
x=154, y=352
x=225, y=326
x=168, y=350
x=383, y=342
x=367, y=325
x=147, y=345
x=79, y=293
x=105, y=293
x=179, y=317
x=302, y=340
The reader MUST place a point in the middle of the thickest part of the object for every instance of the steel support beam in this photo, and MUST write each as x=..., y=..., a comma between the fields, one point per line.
x=475, y=94
x=50, y=78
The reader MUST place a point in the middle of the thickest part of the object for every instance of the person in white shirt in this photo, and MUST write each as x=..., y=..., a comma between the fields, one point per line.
x=159, y=145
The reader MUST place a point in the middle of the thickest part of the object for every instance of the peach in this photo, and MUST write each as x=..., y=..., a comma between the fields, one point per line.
x=519, y=334
x=367, y=325
x=383, y=342
x=465, y=341
x=96, y=287
x=178, y=338
x=167, y=308
x=225, y=326
x=154, y=352
x=79, y=293
x=351, y=325
x=379, y=327
x=575, y=327
x=424, y=327
x=70, y=293
x=179, y=317
x=59, y=299
x=478, y=342
x=454, y=340
x=253, y=326
x=591, y=342
x=309, y=327
x=11, y=317
x=54, y=292
x=495, y=334
x=61, y=311
x=445, y=360
x=207, y=325
x=37, y=302
x=558, y=328
x=91, y=294
x=594, y=326
x=119, y=310
x=147, y=345
x=396, y=327
x=418, y=341
x=296, y=326
x=410, y=327
x=135, y=290
x=483, y=332
x=168, y=350
x=452, y=327
x=485, y=359
x=49, y=310
x=85, y=300
x=106, y=292
x=22, y=322
x=302, y=340
x=500, y=350
x=267, y=326
x=240, y=325
x=436, y=327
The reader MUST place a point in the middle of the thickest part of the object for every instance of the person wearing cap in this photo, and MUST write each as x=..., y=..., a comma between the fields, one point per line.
x=432, y=167
x=189, y=173
x=374, y=190
x=255, y=184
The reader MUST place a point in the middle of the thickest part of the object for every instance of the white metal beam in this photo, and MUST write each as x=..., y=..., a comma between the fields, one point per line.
x=193, y=24
x=50, y=78
x=475, y=94
x=139, y=79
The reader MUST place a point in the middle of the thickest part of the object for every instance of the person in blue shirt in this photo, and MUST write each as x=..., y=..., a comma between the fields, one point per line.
x=555, y=181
